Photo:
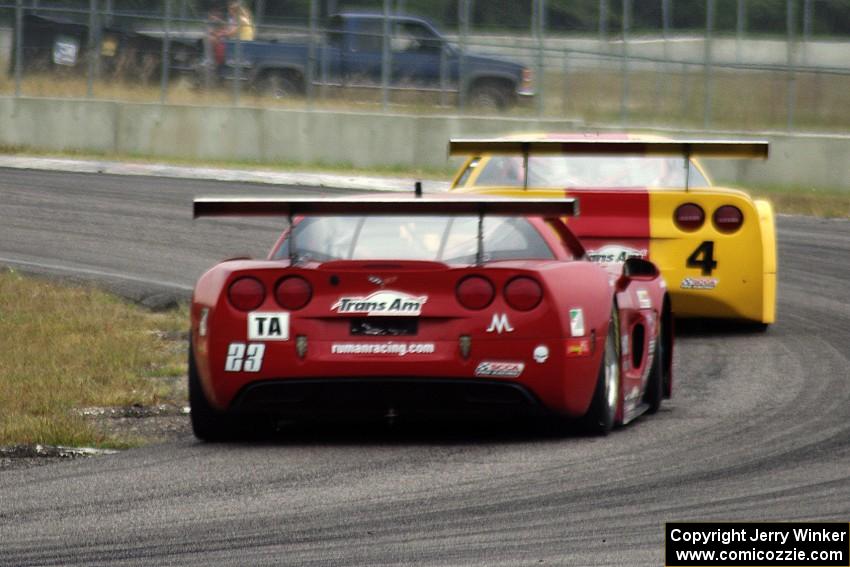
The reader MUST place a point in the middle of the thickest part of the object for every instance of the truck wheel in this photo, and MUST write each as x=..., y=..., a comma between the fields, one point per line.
x=279, y=86
x=489, y=97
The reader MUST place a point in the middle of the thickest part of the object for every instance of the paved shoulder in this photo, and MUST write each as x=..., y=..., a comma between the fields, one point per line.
x=264, y=176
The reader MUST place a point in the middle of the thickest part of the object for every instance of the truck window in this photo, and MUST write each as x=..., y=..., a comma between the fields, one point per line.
x=335, y=33
x=367, y=36
x=413, y=37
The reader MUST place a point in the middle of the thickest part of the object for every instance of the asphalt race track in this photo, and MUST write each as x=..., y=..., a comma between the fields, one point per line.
x=759, y=428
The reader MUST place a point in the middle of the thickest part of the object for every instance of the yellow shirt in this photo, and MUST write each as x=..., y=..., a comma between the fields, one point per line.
x=245, y=26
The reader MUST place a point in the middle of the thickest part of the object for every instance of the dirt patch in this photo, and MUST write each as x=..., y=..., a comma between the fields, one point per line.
x=142, y=425
x=130, y=426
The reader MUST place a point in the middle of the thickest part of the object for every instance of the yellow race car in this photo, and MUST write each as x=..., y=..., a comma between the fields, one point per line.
x=647, y=197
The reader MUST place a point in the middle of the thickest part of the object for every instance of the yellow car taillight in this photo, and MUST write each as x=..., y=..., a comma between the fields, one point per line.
x=689, y=217
x=728, y=219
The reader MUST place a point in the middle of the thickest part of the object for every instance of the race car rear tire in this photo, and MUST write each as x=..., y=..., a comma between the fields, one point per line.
x=602, y=414
x=208, y=423
x=655, y=383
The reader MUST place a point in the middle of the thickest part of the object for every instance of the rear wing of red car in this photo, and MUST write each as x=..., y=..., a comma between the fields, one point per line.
x=687, y=149
x=383, y=206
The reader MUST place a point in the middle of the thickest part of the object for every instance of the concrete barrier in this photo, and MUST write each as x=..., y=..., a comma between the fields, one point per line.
x=59, y=124
x=299, y=136
x=649, y=51
x=800, y=160
x=361, y=140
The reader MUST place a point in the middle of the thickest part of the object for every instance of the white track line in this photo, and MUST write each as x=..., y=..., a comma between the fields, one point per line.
x=91, y=272
x=330, y=180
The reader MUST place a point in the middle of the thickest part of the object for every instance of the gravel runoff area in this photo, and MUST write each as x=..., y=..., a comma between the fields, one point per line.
x=160, y=424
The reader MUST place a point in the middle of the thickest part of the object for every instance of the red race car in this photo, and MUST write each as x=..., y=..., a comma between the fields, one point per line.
x=399, y=305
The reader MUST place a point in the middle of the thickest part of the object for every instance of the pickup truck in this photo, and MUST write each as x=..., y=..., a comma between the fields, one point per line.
x=350, y=54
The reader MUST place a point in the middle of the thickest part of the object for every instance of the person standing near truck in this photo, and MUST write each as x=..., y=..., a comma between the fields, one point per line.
x=240, y=23
x=215, y=22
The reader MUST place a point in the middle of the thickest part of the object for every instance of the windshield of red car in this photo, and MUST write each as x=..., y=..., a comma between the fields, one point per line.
x=589, y=171
x=452, y=240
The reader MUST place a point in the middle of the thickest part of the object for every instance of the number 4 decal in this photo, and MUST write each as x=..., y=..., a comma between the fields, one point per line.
x=703, y=257
x=244, y=358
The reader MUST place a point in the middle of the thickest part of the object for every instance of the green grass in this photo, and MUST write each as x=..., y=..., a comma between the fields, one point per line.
x=739, y=100
x=181, y=92
x=66, y=348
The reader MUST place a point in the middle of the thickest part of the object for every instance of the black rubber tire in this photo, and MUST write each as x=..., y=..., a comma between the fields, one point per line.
x=654, y=393
x=280, y=86
x=208, y=423
x=489, y=97
x=601, y=416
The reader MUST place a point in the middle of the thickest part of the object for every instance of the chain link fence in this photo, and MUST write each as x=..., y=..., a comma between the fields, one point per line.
x=713, y=64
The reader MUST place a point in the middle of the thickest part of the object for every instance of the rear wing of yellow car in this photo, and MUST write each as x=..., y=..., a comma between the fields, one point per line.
x=687, y=149
x=371, y=206
x=383, y=206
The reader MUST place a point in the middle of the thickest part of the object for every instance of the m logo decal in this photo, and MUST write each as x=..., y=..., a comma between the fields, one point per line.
x=500, y=324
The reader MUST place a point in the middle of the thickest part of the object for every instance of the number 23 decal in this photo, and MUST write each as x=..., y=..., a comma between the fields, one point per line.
x=243, y=357
x=703, y=257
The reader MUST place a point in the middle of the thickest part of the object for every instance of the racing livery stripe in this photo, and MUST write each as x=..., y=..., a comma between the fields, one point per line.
x=612, y=217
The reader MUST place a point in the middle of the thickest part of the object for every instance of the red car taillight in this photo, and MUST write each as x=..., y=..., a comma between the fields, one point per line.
x=246, y=294
x=475, y=292
x=293, y=292
x=728, y=219
x=689, y=217
x=523, y=294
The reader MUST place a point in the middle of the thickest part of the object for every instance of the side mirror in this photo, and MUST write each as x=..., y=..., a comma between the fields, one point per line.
x=637, y=269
